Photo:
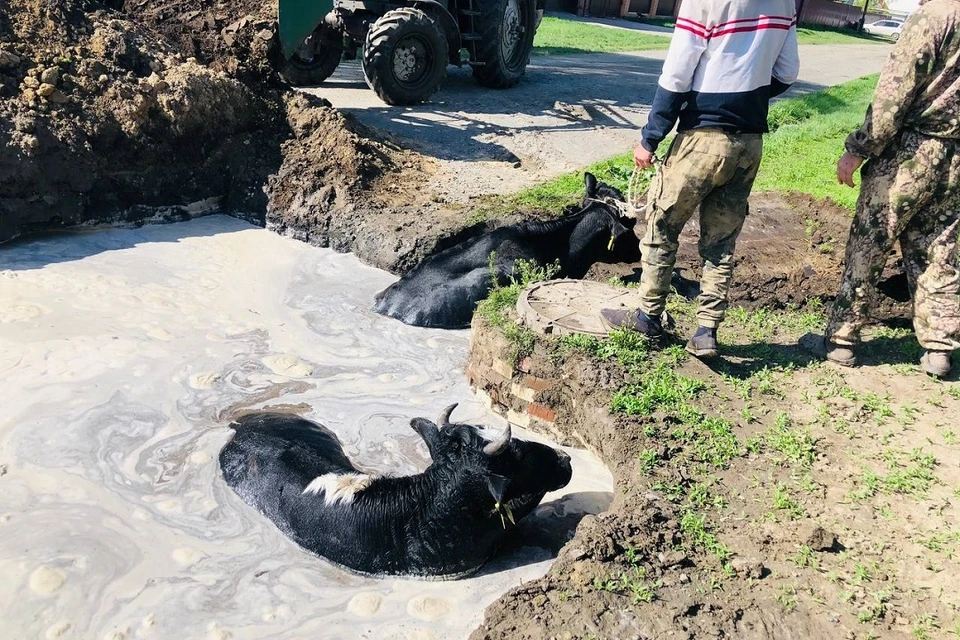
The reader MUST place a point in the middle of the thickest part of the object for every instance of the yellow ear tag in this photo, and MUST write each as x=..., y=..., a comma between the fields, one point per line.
x=613, y=239
x=504, y=509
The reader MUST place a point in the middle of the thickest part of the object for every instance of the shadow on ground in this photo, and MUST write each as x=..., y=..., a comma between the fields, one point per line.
x=463, y=121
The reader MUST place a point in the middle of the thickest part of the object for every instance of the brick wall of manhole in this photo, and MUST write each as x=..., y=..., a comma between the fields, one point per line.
x=559, y=307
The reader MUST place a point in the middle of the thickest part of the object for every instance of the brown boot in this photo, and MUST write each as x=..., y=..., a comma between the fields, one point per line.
x=703, y=343
x=842, y=355
x=936, y=363
x=630, y=319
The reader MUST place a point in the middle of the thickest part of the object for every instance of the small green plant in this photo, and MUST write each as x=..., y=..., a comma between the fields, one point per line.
x=924, y=625
x=954, y=390
x=764, y=380
x=804, y=558
x=696, y=529
x=662, y=388
x=795, y=446
x=782, y=501
x=940, y=542
x=631, y=582
x=741, y=387
x=787, y=597
x=863, y=573
x=878, y=406
x=876, y=610
x=649, y=459
x=867, y=485
x=502, y=298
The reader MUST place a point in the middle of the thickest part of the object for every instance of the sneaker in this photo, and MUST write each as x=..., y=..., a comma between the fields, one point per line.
x=703, y=343
x=636, y=320
x=936, y=363
x=842, y=355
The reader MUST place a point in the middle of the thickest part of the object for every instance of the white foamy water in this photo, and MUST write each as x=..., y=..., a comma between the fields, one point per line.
x=123, y=356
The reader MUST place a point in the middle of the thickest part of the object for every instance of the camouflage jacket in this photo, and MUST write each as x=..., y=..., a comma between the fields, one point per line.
x=919, y=88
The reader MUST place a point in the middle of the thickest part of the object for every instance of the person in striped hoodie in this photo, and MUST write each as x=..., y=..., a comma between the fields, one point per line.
x=726, y=60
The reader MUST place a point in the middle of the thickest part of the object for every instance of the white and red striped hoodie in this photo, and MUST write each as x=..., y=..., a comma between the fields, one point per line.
x=726, y=60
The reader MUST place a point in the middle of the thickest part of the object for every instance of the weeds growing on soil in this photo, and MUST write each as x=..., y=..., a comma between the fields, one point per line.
x=501, y=300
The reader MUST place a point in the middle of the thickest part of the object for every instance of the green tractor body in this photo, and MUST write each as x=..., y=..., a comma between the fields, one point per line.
x=405, y=47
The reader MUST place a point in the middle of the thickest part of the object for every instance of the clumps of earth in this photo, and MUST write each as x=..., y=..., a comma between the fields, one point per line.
x=126, y=110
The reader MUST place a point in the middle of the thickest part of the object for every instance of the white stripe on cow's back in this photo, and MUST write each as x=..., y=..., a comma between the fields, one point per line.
x=339, y=488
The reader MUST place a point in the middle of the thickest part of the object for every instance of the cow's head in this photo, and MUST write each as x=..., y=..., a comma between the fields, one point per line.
x=609, y=203
x=516, y=473
x=596, y=190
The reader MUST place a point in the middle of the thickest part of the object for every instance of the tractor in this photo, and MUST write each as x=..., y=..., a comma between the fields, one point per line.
x=405, y=47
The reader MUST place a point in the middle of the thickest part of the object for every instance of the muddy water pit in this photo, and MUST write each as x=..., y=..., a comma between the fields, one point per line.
x=123, y=356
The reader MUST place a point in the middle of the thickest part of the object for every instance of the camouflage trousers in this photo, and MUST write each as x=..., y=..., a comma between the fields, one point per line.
x=910, y=194
x=714, y=170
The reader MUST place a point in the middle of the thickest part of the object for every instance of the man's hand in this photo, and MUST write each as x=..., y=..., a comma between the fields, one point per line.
x=845, y=168
x=642, y=158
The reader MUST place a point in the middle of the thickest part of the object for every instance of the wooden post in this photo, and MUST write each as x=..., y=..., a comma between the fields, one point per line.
x=653, y=8
x=624, y=8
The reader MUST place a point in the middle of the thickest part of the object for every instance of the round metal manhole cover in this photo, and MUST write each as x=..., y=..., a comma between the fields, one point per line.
x=559, y=307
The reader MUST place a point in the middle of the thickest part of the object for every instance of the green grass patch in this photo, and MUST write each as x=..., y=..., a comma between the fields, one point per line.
x=794, y=446
x=813, y=34
x=807, y=139
x=501, y=299
x=763, y=324
x=910, y=474
x=783, y=501
x=799, y=155
x=557, y=36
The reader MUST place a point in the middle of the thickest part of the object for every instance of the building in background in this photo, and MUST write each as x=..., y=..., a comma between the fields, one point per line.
x=830, y=13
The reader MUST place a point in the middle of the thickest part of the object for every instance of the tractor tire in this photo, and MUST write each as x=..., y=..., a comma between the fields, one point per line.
x=405, y=56
x=316, y=60
x=506, y=29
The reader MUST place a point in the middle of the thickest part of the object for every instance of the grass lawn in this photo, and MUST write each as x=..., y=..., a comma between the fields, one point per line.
x=560, y=36
x=799, y=155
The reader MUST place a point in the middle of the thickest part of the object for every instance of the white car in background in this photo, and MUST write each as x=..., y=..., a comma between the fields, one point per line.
x=889, y=28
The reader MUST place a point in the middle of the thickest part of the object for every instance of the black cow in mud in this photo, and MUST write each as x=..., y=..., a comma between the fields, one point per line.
x=443, y=523
x=444, y=289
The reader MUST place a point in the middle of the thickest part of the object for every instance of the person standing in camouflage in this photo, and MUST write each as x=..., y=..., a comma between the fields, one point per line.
x=910, y=192
x=726, y=60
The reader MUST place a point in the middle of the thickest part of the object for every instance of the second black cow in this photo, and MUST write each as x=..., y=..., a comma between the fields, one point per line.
x=444, y=289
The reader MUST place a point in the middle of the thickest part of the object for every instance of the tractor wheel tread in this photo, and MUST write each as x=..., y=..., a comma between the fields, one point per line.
x=493, y=71
x=378, y=51
x=325, y=61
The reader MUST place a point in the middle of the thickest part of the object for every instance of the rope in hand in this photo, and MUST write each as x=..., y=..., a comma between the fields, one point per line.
x=634, y=207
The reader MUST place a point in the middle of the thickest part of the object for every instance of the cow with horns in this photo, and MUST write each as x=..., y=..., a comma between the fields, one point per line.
x=444, y=523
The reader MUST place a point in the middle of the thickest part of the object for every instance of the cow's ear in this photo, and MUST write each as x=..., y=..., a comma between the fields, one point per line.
x=590, y=182
x=427, y=430
x=498, y=487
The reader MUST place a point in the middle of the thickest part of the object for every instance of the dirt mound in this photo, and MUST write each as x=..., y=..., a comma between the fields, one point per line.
x=124, y=110
x=235, y=37
x=791, y=250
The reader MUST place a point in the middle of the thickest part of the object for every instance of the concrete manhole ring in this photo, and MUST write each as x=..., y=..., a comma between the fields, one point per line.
x=563, y=307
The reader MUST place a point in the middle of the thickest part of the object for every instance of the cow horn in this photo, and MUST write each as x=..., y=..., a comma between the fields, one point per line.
x=444, y=419
x=497, y=446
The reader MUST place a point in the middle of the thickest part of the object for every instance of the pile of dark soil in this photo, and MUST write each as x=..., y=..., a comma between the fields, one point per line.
x=128, y=110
